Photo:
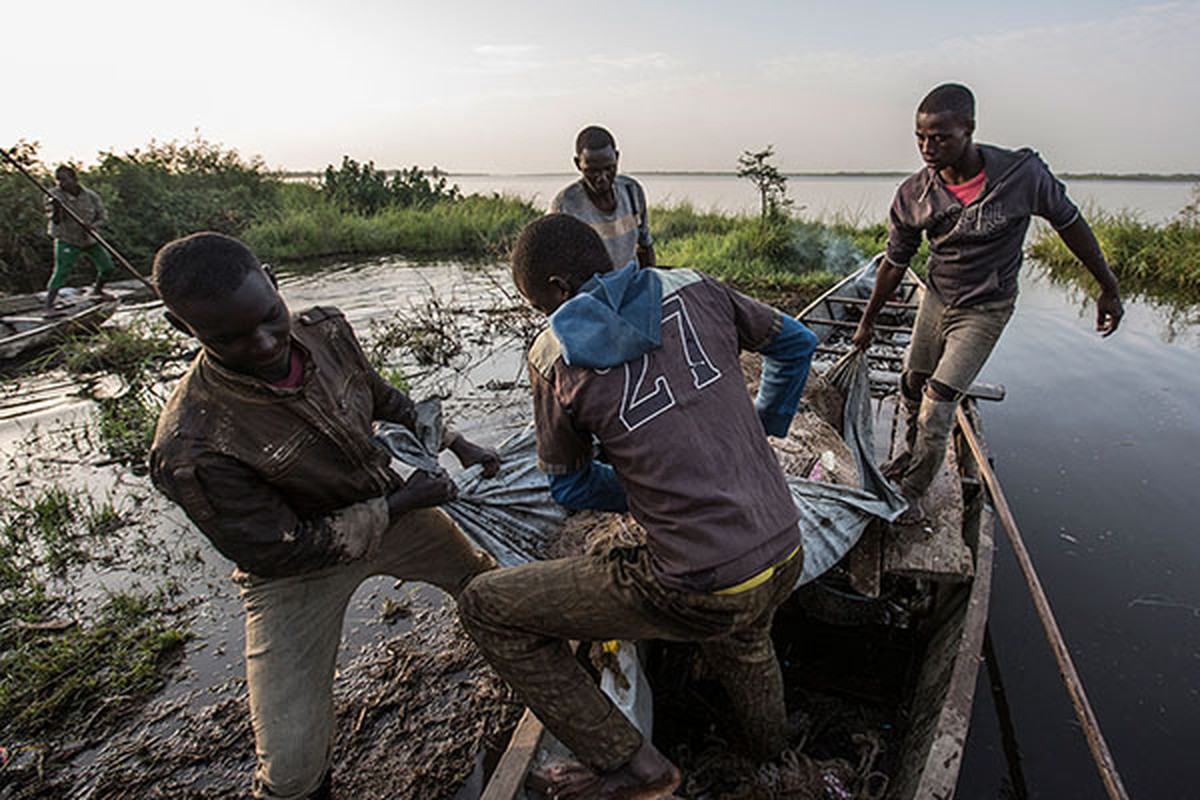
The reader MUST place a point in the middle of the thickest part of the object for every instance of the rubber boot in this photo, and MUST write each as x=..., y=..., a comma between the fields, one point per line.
x=910, y=408
x=935, y=423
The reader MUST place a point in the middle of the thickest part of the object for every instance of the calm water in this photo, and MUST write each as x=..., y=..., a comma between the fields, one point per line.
x=862, y=199
x=1098, y=448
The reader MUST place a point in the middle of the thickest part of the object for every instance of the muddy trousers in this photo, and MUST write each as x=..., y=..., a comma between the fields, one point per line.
x=294, y=627
x=949, y=348
x=522, y=619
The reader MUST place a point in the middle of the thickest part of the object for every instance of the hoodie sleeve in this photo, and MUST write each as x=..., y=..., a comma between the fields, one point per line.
x=787, y=359
x=594, y=487
x=562, y=448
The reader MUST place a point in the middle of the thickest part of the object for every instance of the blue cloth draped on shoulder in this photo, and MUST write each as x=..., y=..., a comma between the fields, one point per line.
x=513, y=516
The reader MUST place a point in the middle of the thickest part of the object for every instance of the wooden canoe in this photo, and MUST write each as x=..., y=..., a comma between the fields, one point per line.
x=845, y=638
x=25, y=329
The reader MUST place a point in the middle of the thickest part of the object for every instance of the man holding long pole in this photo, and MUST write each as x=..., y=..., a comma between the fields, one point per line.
x=71, y=239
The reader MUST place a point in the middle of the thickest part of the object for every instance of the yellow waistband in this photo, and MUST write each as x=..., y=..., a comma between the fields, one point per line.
x=759, y=579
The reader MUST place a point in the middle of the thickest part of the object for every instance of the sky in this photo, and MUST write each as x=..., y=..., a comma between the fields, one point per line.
x=504, y=86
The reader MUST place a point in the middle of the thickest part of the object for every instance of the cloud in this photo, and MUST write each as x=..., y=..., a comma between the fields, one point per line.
x=641, y=61
x=505, y=50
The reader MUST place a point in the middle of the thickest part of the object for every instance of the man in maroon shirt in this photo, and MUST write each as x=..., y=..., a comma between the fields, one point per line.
x=973, y=203
x=647, y=362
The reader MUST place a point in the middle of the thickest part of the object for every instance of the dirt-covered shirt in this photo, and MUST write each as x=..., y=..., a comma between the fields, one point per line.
x=976, y=249
x=624, y=230
x=681, y=432
x=87, y=205
x=277, y=477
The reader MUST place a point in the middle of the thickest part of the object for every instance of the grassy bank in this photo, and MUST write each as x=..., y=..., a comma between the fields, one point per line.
x=1161, y=260
x=310, y=227
x=780, y=259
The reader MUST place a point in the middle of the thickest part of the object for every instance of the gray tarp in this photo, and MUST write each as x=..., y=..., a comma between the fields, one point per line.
x=512, y=514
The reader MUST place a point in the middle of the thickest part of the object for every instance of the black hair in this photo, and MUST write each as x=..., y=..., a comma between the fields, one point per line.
x=64, y=169
x=953, y=98
x=558, y=244
x=593, y=137
x=207, y=265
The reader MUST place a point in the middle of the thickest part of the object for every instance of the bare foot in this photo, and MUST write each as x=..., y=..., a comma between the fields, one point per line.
x=56, y=311
x=915, y=514
x=648, y=775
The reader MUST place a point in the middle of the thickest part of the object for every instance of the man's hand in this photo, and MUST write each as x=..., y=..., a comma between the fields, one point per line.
x=1108, y=312
x=863, y=334
x=469, y=453
x=422, y=490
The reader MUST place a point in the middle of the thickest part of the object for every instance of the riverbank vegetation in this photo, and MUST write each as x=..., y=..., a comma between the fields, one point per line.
x=165, y=190
x=1158, y=260
x=62, y=660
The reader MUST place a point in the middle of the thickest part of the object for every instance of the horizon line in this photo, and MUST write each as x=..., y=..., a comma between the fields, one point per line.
x=1161, y=177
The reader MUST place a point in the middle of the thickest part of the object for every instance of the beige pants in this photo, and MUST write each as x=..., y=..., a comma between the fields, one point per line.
x=949, y=347
x=294, y=627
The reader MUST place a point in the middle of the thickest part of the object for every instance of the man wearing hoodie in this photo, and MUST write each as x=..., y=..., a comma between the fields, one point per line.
x=647, y=362
x=973, y=203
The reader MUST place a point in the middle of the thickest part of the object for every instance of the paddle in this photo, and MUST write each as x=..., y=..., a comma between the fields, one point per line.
x=103, y=243
x=1083, y=708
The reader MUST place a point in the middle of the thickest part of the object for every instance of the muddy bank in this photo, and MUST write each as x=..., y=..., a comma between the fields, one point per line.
x=413, y=712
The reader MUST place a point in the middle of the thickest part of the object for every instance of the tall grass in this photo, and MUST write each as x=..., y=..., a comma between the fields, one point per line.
x=1161, y=260
x=777, y=257
x=473, y=226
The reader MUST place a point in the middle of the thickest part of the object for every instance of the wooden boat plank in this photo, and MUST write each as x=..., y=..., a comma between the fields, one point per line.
x=509, y=776
x=864, y=564
x=935, y=549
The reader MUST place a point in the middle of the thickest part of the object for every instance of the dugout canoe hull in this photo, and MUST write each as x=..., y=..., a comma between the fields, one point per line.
x=24, y=329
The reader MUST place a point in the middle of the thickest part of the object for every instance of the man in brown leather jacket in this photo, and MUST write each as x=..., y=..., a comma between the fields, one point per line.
x=267, y=445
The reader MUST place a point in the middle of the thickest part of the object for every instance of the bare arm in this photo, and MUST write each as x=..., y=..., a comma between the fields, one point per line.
x=1080, y=240
x=887, y=280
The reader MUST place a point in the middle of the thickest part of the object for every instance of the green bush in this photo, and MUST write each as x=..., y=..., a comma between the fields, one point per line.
x=362, y=189
x=26, y=253
x=168, y=190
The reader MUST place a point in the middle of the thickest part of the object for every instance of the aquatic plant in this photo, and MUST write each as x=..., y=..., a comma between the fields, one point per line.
x=132, y=351
x=1161, y=261
x=428, y=331
x=126, y=423
x=49, y=675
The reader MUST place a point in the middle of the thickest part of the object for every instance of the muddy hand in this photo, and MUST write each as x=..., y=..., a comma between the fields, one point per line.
x=488, y=459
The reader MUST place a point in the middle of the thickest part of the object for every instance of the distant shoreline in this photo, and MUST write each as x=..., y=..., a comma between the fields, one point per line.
x=1144, y=177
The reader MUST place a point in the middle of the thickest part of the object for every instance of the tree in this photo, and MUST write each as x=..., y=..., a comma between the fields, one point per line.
x=766, y=177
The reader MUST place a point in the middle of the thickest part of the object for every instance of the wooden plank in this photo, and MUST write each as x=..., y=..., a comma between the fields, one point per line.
x=509, y=777
x=841, y=323
x=864, y=566
x=935, y=548
x=858, y=301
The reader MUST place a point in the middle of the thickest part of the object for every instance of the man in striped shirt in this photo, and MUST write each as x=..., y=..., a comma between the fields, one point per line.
x=613, y=205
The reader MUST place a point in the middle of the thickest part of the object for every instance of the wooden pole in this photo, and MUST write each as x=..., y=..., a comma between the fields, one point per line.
x=1083, y=709
x=95, y=234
